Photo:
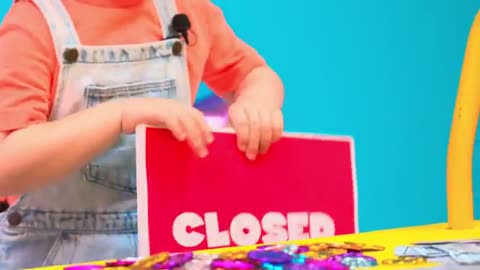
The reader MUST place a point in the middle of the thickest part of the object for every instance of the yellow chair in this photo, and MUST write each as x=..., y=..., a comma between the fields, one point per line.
x=462, y=137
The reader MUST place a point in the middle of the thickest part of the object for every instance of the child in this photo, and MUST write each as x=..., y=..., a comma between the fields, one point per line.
x=76, y=78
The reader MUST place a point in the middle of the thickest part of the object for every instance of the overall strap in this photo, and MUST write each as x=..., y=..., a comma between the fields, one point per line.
x=61, y=27
x=166, y=9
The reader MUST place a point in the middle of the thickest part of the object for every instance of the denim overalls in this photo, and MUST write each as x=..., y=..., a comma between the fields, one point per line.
x=91, y=213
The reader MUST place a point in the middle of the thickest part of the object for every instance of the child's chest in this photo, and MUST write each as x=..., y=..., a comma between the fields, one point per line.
x=142, y=27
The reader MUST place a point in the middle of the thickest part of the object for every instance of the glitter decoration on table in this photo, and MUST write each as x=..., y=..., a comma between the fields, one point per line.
x=318, y=256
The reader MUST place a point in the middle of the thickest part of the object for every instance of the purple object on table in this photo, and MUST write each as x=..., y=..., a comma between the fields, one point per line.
x=316, y=265
x=175, y=260
x=302, y=249
x=270, y=256
x=227, y=264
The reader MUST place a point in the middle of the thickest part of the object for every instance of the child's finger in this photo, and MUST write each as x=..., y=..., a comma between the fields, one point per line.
x=194, y=135
x=175, y=126
x=266, y=131
x=253, y=134
x=203, y=125
x=278, y=125
x=239, y=121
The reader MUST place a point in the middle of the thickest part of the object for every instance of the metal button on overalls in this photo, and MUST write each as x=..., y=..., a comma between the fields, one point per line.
x=177, y=48
x=70, y=55
x=14, y=218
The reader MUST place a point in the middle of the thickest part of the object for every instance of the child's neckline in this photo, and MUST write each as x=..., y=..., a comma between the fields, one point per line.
x=112, y=3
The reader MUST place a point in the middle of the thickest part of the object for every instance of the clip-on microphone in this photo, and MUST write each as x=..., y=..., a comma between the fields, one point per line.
x=181, y=25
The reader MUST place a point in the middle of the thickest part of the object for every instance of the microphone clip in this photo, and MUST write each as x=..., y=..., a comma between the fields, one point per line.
x=180, y=26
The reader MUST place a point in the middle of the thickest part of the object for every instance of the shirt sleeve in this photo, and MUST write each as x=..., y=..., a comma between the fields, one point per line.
x=26, y=67
x=230, y=59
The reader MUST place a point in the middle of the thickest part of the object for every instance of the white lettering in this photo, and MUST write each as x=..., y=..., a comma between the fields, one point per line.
x=273, y=223
x=215, y=238
x=296, y=225
x=321, y=225
x=182, y=223
x=245, y=229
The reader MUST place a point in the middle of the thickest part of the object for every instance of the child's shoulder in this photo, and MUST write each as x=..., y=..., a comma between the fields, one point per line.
x=24, y=31
x=197, y=7
x=201, y=11
x=24, y=21
x=25, y=14
x=24, y=6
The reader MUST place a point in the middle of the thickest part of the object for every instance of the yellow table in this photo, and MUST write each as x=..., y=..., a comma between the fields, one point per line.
x=387, y=238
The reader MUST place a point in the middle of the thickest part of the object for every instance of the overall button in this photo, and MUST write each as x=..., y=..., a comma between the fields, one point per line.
x=177, y=48
x=14, y=218
x=70, y=55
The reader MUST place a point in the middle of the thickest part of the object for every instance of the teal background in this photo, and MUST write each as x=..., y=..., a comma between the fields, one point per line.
x=385, y=72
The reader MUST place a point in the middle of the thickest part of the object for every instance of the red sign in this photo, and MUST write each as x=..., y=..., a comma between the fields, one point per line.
x=304, y=187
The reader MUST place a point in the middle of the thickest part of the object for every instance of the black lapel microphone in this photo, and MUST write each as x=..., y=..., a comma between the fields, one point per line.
x=4, y=205
x=180, y=25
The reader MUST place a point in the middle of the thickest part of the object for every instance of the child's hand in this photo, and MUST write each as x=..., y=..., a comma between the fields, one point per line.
x=257, y=125
x=185, y=122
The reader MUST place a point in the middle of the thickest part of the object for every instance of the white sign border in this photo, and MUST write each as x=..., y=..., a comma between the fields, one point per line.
x=142, y=193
